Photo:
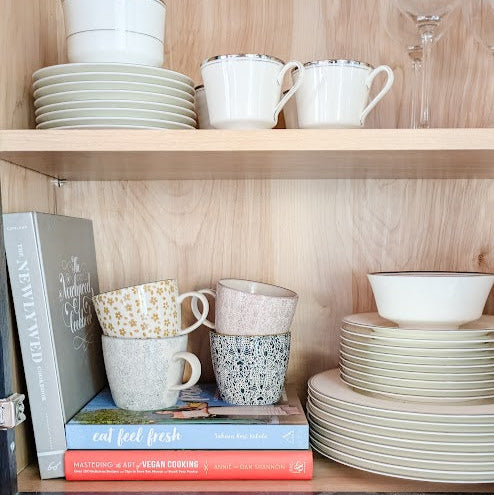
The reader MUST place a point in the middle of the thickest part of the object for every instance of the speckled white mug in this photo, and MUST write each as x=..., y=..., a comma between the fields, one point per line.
x=244, y=307
x=146, y=374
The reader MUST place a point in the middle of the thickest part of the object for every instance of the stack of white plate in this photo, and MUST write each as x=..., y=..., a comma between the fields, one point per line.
x=420, y=365
x=111, y=95
x=429, y=442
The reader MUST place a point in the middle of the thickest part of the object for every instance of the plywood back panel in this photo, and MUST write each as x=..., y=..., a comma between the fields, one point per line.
x=319, y=238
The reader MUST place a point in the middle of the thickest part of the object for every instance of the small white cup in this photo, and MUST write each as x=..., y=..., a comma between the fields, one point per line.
x=335, y=93
x=244, y=91
x=123, y=31
x=202, y=108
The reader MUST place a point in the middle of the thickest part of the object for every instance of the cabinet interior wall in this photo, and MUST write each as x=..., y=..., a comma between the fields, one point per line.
x=318, y=237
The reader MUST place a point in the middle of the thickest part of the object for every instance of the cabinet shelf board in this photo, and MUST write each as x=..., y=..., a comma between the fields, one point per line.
x=328, y=477
x=261, y=154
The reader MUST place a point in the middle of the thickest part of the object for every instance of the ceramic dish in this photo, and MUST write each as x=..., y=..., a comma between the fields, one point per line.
x=418, y=384
x=163, y=124
x=113, y=113
x=113, y=77
x=449, y=367
x=417, y=343
x=327, y=412
x=421, y=395
x=467, y=359
x=401, y=433
x=55, y=70
x=401, y=460
x=380, y=326
x=55, y=89
x=453, y=448
x=465, y=351
x=445, y=456
x=328, y=386
x=116, y=126
x=98, y=104
x=95, y=94
x=431, y=300
x=443, y=375
x=402, y=472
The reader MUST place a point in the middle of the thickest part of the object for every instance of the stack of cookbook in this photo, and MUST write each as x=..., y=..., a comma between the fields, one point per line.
x=201, y=437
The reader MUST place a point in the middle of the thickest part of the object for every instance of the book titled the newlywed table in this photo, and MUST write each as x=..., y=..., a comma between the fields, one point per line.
x=52, y=269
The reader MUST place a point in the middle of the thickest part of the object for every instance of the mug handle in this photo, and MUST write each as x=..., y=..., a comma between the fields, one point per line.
x=380, y=95
x=195, y=309
x=200, y=318
x=195, y=364
x=289, y=65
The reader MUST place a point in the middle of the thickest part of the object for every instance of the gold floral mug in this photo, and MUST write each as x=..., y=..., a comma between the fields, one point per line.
x=146, y=311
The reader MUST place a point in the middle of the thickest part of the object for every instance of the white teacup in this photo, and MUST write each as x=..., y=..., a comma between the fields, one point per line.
x=202, y=108
x=244, y=91
x=335, y=93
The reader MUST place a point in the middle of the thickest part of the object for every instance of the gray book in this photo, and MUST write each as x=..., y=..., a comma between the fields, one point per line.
x=52, y=268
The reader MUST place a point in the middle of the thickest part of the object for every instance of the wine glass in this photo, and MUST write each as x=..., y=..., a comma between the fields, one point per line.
x=429, y=17
x=400, y=27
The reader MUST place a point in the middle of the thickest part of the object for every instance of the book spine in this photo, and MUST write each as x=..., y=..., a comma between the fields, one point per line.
x=35, y=337
x=212, y=436
x=188, y=465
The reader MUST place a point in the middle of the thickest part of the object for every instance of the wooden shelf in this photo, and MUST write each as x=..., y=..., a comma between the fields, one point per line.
x=328, y=477
x=277, y=154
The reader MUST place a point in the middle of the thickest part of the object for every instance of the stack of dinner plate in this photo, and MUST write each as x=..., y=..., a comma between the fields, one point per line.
x=112, y=95
x=420, y=365
x=430, y=442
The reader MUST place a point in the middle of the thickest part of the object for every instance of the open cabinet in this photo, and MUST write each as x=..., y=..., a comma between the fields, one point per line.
x=314, y=211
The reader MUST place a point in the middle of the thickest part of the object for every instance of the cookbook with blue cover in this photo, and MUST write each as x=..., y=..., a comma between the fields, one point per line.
x=199, y=420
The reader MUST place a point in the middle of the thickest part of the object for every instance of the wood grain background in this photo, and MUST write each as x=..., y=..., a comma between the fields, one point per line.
x=317, y=237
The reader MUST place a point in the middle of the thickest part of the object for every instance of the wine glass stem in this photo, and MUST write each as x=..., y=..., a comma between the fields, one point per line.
x=427, y=41
x=415, y=54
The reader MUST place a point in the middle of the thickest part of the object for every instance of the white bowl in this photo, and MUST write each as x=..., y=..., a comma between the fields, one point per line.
x=431, y=300
x=128, y=31
x=115, y=46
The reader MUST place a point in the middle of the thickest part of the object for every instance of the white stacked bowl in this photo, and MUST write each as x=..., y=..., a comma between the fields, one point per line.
x=125, y=31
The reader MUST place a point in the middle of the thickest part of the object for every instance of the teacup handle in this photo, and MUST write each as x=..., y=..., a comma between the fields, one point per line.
x=289, y=65
x=380, y=95
x=200, y=318
x=195, y=365
x=195, y=309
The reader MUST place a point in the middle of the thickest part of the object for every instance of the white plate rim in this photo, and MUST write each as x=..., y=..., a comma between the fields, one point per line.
x=391, y=475
x=434, y=358
x=394, y=326
x=401, y=458
x=394, y=432
x=119, y=92
x=152, y=112
x=408, y=422
x=446, y=367
x=344, y=368
x=82, y=120
x=66, y=87
x=414, y=349
x=85, y=65
x=188, y=113
x=418, y=341
x=362, y=400
x=161, y=81
x=417, y=398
